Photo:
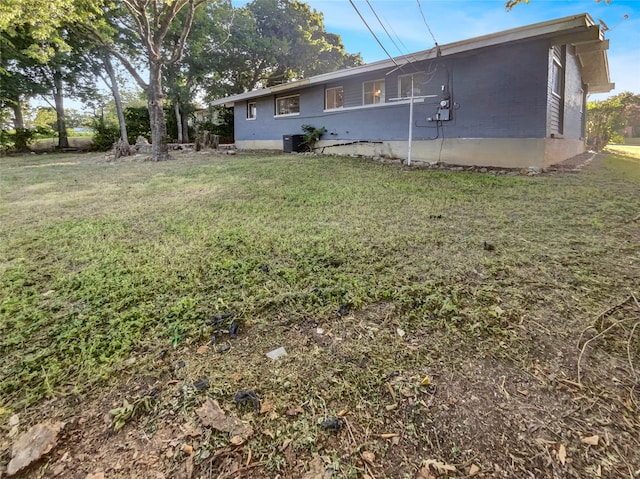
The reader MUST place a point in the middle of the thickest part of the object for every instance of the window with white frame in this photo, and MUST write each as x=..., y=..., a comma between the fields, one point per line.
x=251, y=110
x=373, y=92
x=288, y=105
x=417, y=81
x=333, y=98
x=557, y=76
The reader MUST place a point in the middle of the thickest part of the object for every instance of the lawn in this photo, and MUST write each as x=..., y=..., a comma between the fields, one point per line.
x=396, y=316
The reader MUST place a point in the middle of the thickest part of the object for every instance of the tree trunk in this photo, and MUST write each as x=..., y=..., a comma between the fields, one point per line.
x=63, y=140
x=18, y=118
x=116, y=97
x=185, y=127
x=176, y=109
x=159, y=148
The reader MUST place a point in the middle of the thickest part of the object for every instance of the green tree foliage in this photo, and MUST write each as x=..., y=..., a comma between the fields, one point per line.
x=275, y=41
x=45, y=22
x=607, y=119
x=45, y=119
x=183, y=79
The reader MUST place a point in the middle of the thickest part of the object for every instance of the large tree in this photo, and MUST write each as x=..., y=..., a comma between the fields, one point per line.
x=151, y=20
x=183, y=80
x=275, y=41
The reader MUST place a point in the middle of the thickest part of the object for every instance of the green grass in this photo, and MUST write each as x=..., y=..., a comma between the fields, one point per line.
x=630, y=150
x=100, y=261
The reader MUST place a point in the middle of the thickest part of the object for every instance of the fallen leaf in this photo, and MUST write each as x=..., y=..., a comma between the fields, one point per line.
x=439, y=466
x=591, y=440
x=406, y=392
x=294, y=411
x=266, y=406
x=316, y=469
x=562, y=454
x=388, y=435
x=369, y=457
x=473, y=470
x=268, y=433
x=237, y=377
x=187, y=449
x=424, y=473
x=400, y=332
x=204, y=349
x=211, y=414
x=395, y=440
x=425, y=381
x=285, y=444
x=343, y=412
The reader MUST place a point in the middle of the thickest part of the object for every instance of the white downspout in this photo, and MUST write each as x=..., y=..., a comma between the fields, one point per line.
x=410, y=125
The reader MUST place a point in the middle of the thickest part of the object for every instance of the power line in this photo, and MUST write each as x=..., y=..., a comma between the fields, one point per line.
x=383, y=27
x=394, y=33
x=425, y=22
x=372, y=33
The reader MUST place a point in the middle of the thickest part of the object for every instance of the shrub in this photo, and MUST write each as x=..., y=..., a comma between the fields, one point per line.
x=311, y=135
x=105, y=136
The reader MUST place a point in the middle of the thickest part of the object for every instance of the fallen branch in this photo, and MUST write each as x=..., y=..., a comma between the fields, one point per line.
x=629, y=350
x=584, y=346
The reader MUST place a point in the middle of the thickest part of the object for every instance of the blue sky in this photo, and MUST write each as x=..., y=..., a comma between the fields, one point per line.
x=453, y=20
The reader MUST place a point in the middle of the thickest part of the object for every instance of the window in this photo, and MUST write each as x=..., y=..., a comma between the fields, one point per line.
x=251, y=110
x=557, y=77
x=373, y=92
x=288, y=105
x=333, y=98
x=405, y=82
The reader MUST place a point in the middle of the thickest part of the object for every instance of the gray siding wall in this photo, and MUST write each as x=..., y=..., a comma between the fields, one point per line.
x=499, y=92
x=566, y=112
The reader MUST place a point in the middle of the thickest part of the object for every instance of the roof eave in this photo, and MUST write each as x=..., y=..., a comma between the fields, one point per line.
x=576, y=28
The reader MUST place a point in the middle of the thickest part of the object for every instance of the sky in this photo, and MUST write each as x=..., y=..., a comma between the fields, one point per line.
x=454, y=20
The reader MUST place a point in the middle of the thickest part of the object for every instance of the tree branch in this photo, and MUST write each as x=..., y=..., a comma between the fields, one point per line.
x=179, y=49
x=139, y=13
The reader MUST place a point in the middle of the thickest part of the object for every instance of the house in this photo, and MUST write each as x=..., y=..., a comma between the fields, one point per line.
x=515, y=99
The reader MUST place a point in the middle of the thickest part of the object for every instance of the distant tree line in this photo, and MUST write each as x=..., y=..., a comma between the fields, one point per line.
x=608, y=119
x=176, y=52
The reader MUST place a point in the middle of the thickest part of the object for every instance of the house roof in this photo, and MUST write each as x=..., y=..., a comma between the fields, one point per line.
x=577, y=30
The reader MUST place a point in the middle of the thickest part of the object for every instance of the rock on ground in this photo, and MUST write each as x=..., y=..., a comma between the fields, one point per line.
x=32, y=445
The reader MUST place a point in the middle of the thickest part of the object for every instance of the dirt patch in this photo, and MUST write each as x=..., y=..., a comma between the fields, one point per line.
x=449, y=414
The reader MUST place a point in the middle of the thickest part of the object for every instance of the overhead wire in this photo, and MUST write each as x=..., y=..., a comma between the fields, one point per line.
x=384, y=28
x=426, y=23
x=395, y=34
x=372, y=33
